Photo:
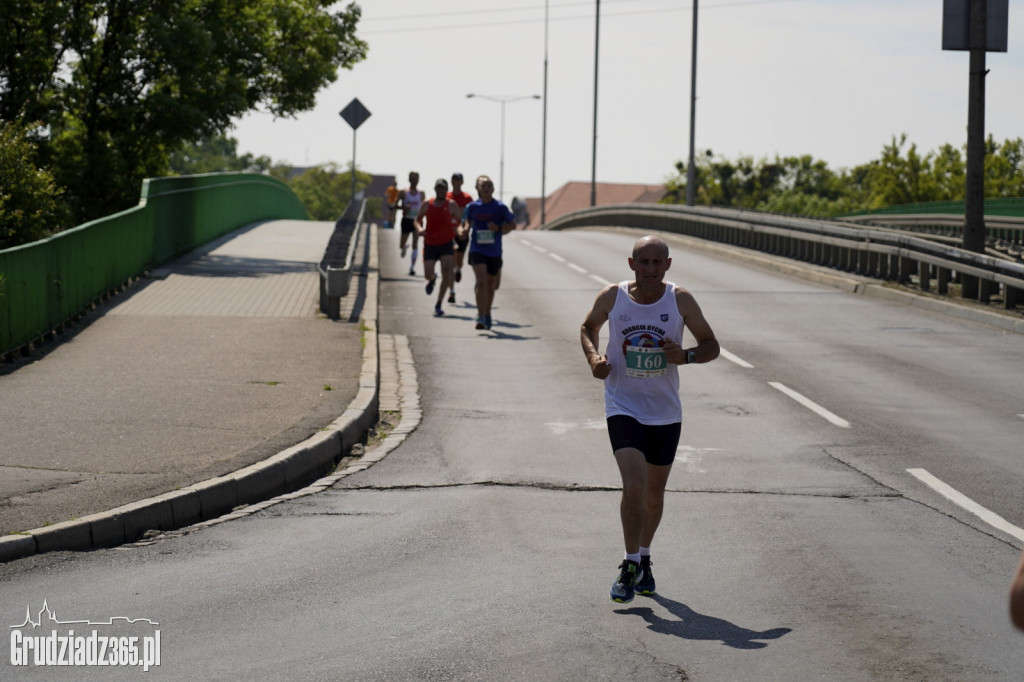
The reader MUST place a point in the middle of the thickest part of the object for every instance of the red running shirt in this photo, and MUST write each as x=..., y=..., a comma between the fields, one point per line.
x=440, y=229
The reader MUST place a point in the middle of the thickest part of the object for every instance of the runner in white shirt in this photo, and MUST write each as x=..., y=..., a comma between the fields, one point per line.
x=640, y=369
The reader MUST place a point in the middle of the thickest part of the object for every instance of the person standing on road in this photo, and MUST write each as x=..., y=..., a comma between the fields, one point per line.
x=463, y=199
x=640, y=369
x=410, y=203
x=442, y=215
x=488, y=220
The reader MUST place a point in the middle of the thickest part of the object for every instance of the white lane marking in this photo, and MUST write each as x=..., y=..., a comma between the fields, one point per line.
x=733, y=358
x=562, y=428
x=691, y=458
x=556, y=257
x=600, y=280
x=1021, y=416
x=810, y=405
x=961, y=500
x=577, y=268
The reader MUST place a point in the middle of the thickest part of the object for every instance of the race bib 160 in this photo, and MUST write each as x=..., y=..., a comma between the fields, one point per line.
x=645, y=362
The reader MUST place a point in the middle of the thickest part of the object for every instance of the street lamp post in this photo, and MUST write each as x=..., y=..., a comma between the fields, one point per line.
x=691, y=169
x=503, y=100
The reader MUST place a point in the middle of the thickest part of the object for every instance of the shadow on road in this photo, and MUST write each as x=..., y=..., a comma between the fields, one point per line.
x=693, y=625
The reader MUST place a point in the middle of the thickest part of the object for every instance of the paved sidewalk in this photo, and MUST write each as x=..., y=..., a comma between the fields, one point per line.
x=213, y=384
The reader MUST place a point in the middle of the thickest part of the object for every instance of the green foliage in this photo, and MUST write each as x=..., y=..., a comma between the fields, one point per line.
x=324, y=190
x=30, y=203
x=807, y=187
x=216, y=154
x=118, y=86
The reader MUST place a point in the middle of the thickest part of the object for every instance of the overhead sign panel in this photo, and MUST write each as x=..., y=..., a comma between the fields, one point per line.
x=956, y=25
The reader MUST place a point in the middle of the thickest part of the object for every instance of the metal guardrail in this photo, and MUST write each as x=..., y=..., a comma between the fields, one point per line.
x=336, y=265
x=882, y=254
x=1003, y=235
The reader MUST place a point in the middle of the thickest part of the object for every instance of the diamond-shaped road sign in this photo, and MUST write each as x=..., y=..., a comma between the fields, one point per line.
x=355, y=114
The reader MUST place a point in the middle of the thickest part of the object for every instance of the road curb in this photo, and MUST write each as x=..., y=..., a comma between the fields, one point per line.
x=289, y=470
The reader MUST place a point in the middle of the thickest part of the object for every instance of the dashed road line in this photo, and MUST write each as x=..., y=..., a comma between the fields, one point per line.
x=577, y=268
x=734, y=359
x=811, y=405
x=964, y=502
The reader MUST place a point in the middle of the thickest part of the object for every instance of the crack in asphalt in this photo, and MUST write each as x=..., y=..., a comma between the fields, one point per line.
x=574, y=487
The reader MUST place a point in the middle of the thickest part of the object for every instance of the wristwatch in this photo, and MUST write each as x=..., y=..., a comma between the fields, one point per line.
x=691, y=357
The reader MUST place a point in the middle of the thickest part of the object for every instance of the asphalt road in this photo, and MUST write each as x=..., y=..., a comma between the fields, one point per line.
x=795, y=544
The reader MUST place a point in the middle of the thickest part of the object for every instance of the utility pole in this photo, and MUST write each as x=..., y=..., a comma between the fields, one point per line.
x=691, y=169
x=977, y=26
x=593, y=153
x=544, y=126
x=974, y=198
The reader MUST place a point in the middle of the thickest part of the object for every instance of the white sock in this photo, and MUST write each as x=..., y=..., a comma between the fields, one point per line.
x=635, y=558
x=645, y=551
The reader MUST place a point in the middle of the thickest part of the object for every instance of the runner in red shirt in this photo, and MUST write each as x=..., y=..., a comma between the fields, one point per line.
x=441, y=216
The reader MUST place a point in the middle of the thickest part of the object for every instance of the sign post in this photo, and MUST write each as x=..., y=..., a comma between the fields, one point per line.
x=977, y=26
x=355, y=114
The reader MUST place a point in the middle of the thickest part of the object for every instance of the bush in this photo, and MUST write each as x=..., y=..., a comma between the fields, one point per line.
x=31, y=205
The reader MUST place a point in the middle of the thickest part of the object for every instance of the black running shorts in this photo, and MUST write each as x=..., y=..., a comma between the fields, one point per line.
x=658, y=443
x=493, y=263
x=435, y=251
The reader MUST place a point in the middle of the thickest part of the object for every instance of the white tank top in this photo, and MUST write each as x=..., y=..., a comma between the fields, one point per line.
x=642, y=384
x=412, y=203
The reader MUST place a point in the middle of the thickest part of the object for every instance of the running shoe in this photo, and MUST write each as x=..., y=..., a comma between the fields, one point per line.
x=430, y=287
x=437, y=310
x=622, y=588
x=645, y=579
x=458, y=274
x=487, y=321
x=451, y=297
x=404, y=248
x=480, y=323
x=412, y=272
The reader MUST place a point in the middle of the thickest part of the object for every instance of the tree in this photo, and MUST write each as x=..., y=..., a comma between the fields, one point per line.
x=30, y=202
x=794, y=184
x=216, y=154
x=120, y=84
x=1004, y=168
x=801, y=185
x=325, y=191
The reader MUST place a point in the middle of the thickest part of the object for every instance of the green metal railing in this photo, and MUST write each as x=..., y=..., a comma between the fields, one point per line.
x=46, y=283
x=1011, y=207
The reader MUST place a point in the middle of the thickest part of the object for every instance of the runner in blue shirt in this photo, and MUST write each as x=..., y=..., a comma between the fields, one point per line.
x=488, y=220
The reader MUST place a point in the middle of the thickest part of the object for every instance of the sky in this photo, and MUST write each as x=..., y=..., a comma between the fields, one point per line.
x=835, y=79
